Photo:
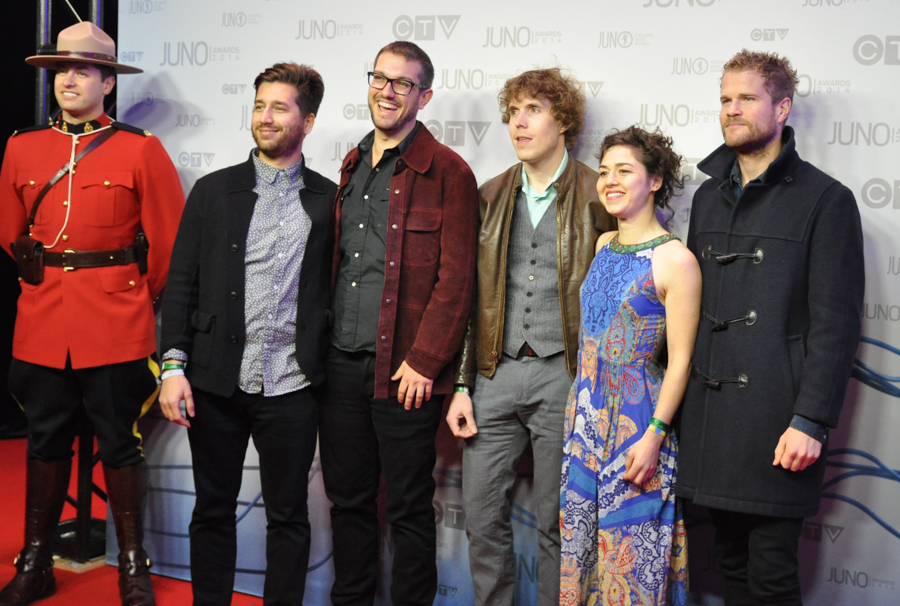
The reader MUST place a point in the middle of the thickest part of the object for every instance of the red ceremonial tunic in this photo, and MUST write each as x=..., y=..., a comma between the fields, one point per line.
x=103, y=315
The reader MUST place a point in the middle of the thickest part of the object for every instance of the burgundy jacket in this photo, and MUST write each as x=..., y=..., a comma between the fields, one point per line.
x=429, y=262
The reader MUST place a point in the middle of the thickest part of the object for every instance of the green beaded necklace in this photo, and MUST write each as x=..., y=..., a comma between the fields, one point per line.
x=631, y=248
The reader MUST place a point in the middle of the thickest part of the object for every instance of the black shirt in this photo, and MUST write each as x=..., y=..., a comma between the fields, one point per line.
x=364, y=216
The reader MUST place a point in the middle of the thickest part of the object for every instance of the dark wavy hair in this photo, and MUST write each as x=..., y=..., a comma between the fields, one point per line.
x=411, y=52
x=562, y=91
x=654, y=151
x=779, y=77
x=307, y=81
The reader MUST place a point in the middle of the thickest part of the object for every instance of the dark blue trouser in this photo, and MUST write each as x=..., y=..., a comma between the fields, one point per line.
x=284, y=434
x=758, y=558
x=362, y=437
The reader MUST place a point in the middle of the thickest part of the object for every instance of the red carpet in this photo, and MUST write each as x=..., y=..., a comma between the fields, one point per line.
x=93, y=588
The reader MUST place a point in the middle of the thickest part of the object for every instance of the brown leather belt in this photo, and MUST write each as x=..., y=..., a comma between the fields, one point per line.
x=78, y=259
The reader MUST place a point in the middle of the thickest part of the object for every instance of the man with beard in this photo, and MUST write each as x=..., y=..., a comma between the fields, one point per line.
x=404, y=266
x=244, y=319
x=781, y=252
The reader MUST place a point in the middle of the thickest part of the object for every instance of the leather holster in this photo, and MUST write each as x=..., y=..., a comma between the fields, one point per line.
x=29, y=254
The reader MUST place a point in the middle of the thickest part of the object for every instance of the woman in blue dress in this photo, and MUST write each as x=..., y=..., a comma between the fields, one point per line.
x=623, y=536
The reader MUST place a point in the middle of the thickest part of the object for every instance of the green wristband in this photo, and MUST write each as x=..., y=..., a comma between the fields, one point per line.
x=462, y=388
x=173, y=366
x=654, y=422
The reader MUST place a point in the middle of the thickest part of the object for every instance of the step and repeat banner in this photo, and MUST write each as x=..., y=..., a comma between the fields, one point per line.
x=651, y=62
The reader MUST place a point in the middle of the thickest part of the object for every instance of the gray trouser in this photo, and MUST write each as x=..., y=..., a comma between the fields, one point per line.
x=525, y=400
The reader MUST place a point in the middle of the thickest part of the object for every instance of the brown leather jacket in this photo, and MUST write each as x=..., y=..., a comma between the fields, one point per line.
x=580, y=219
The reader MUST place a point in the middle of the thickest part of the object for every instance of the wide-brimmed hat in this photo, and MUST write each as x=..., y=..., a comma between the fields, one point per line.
x=83, y=43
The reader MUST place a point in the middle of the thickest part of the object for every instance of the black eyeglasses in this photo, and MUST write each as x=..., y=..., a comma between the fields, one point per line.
x=399, y=86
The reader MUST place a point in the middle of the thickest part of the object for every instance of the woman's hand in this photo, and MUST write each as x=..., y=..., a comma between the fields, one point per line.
x=643, y=458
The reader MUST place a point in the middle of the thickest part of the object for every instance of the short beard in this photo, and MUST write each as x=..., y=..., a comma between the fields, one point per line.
x=757, y=142
x=282, y=148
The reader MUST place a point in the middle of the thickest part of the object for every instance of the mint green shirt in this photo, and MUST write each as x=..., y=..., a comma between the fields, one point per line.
x=539, y=203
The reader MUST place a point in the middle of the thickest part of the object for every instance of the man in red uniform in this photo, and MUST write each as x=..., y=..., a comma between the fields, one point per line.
x=85, y=330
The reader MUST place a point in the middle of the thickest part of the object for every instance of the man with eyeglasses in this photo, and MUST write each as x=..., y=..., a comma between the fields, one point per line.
x=403, y=272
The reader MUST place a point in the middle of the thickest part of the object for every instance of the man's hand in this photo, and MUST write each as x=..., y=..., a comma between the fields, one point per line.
x=796, y=450
x=413, y=386
x=460, y=417
x=174, y=390
x=643, y=458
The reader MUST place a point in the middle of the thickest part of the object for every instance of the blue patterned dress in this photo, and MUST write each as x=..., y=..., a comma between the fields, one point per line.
x=622, y=544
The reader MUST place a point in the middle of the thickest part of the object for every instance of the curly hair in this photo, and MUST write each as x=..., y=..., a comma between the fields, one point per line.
x=411, y=52
x=654, y=151
x=779, y=77
x=562, y=91
x=307, y=81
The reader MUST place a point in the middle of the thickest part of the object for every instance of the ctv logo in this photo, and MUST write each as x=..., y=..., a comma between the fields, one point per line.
x=870, y=49
x=453, y=132
x=356, y=111
x=424, y=27
x=767, y=35
x=233, y=89
x=195, y=159
x=879, y=193
x=593, y=87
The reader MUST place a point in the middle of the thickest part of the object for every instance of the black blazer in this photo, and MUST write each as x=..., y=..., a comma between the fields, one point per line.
x=203, y=307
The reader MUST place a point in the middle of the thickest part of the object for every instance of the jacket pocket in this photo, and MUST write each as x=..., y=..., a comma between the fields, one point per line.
x=120, y=278
x=422, y=241
x=29, y=185
x=797, y=349
x=107, y=199
x=204, y=338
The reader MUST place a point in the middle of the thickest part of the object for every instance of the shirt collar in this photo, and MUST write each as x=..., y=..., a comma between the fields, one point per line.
x=365, y=146
x=266, y=173
x=83, y=127
x=532, y=193
x=735, y=178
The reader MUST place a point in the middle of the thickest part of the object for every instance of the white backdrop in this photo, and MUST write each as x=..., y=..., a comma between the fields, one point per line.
x=656, y=62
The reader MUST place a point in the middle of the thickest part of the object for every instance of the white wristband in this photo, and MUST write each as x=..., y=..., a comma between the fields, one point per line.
x=171, y=373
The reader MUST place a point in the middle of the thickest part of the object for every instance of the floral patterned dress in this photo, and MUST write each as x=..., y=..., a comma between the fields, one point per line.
x=622, y=544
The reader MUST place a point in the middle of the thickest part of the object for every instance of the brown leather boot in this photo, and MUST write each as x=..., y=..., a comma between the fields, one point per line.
x=45, y=493
x=126, y=488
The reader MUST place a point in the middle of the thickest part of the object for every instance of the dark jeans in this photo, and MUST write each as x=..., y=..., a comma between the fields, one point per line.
x=284, y=434
x=113, y=397
x=361, y=437
x=758, y=557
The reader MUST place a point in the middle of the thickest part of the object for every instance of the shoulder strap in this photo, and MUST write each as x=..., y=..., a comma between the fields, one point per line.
x=31, y=129
x=129, y=128
x=94, y=144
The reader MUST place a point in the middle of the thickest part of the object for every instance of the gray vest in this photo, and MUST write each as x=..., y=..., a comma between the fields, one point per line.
x=532, y=284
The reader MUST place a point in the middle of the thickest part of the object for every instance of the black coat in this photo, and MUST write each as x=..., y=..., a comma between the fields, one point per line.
x=794, y=355
x=203, y=307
